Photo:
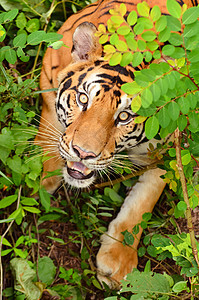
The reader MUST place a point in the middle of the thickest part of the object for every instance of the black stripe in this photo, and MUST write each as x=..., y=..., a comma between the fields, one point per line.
x=69, y=74
x=54, y=67
x=81, y=77
x=85, y=15
x=66, y=86
x=117, y=68
x=60, y=106
x=68, y=101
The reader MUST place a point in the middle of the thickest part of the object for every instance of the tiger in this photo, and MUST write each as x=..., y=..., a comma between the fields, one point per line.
x=88, y=122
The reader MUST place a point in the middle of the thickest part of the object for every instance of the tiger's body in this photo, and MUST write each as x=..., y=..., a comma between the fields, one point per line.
x=90, y=122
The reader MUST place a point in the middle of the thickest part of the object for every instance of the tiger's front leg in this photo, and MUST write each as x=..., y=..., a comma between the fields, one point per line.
x=114, y=260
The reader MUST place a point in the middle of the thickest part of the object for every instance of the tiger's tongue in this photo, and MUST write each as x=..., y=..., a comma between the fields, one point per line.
x=78, y=166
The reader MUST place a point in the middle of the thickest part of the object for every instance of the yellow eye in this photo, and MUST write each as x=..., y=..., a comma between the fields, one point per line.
x=123, y=116
x=83, y=99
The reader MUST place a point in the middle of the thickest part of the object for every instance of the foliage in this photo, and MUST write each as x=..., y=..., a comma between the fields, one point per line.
x=163, y=49
x=166, y=99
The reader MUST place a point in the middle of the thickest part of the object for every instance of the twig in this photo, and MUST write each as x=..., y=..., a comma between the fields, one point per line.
x=1, y=242
x=39, y=48
x=185, y=194
x=133, y=174
x=38, y=244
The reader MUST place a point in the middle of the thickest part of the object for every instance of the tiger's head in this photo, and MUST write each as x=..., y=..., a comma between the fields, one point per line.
x=94, y=111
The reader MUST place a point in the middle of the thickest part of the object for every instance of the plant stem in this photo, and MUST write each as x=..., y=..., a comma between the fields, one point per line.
x=185, y=194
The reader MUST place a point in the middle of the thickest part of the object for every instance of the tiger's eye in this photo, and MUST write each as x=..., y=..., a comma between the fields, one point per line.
x=123, y=116
x=83, y=99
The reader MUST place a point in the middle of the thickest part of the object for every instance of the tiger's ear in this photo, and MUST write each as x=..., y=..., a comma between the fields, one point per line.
x=85, y=43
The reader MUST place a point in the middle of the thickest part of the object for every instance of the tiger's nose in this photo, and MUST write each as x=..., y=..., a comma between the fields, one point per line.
x=83, y=153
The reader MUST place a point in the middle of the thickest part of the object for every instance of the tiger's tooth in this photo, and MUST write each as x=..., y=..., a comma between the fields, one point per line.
x=70, y=164
x=87, y=171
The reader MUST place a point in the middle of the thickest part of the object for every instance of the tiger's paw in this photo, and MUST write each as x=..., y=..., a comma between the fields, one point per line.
x=114, y=262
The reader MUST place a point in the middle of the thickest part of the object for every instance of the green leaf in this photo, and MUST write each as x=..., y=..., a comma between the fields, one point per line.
x=182, y=122
x=168, y=50
x=174, y=8
x=28, y=201
x=173, y=23
x=143, y=9
x=128, y=238
x=115, y=197
x=33, y=210
x=147, y=216
x=193, y=119
x=131, y=42
x=2, y=34
x=10, y=56
x=141, y=45
x=10, y=15
x=15, y=163
x=192, y=99
x=132, y=18
x=23, y=278
x=148, y=24
x=117, y=20
x=56, y=45
x=137, y=59
x=19, y=40
x=103, y=39
x=126, y=59
x=186, y=158
x=142, y=80
x=21, y=20
x=164, y=117
x=51, y=37
x=161, y=23
x=152, y=251
x=152, y=45
x=174, y=110
x=148, y=56
x=175, y=39
x=190, y=15
x=44, y=198
x=33, y=25
x=193, y=56
x=164, y=35
x=149, y=36
x=7, y=201
x=144, y=284
x=131, y=88
x=114, y=38
x=136, y=103
x=147, y=98
x=138, y=28
x=121, y=46
x=115, y=59
x=36, y=37
x=184, y=105
x=155, y=13
x=123, y=30
x=182, y=206
x=5, y=242
x=141, y=251
x=191, y=29
x=151, y=127
x=155, y=89
x=46, y=270
x=180, y=286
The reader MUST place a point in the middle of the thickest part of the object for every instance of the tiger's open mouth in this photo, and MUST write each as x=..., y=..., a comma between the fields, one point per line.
x=78, y=170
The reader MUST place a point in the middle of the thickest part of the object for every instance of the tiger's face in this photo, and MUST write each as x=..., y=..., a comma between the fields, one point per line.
x=97, y=118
